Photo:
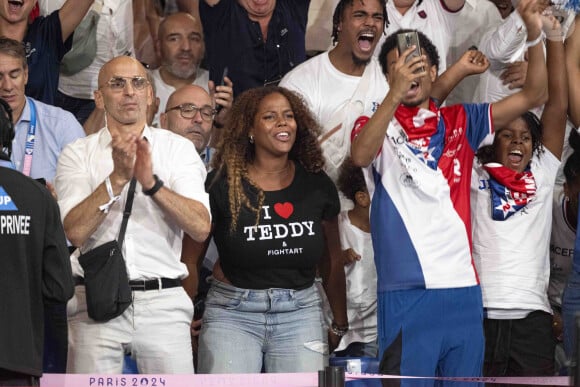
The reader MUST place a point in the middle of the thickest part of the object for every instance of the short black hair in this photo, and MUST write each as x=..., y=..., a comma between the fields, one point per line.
x=536, y=129
x=338, y=11
x=391, y=44
x=351, y=179
x=486, y=153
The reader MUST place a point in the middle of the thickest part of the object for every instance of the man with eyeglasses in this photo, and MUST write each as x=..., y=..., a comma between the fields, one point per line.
x=92, y=182
x=190, y=114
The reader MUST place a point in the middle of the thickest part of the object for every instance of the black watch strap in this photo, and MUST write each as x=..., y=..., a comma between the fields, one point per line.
x=156, y=187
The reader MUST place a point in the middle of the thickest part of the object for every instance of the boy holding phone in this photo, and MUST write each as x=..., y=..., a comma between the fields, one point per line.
x=430, y=312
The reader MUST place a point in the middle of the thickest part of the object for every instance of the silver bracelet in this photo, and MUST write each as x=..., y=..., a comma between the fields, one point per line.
x=337, y=331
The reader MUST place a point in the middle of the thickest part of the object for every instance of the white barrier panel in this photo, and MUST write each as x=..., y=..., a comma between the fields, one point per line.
x=278, y=380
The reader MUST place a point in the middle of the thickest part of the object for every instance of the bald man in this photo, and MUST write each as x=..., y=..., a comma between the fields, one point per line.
x=170, y=200
x=180, y=45
x=190, y=114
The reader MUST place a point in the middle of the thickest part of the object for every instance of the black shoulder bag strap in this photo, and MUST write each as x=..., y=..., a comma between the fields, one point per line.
x=127, y=211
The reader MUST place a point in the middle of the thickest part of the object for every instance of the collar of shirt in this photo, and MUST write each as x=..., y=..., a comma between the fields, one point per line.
x=105, y=138
x=25, y=116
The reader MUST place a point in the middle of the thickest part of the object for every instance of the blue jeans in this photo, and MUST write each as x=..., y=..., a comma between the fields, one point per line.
x=571, y=307
x=244, y=329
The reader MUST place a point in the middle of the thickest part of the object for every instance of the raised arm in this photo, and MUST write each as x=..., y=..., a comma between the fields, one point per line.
x=471, y=62
x=189, y=6
x=71, y=13
x=153, y=19
x=506, y=43
x=573, y=68
x=534, y=92
x=554, y=115
x=401, y=75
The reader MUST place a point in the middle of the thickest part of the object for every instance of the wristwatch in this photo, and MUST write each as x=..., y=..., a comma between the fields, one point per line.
x=156, y=187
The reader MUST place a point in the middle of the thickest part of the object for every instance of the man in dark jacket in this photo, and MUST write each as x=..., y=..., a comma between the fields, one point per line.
x=34, y=266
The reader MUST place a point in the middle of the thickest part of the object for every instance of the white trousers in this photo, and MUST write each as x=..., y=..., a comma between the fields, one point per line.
x=155, y=329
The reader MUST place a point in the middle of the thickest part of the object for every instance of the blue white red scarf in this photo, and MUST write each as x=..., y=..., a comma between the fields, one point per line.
x=510, y=190
x=425, y=138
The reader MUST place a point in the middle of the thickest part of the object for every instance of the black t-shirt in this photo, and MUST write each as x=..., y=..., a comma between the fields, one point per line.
x=45, y=50
x=282, y=251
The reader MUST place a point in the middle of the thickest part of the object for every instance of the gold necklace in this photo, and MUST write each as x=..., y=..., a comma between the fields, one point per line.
x=277, y=172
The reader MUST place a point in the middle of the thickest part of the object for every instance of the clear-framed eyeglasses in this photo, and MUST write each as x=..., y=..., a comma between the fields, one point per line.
x=119, y=83
x=189, y=110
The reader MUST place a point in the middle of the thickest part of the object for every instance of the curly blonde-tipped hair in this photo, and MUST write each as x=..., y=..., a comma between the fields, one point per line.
x=234, y=152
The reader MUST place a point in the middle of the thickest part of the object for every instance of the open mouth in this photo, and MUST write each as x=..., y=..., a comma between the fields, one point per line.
x=16, y=3
x=283, y=136
x=515, y=156
x=366, y=40
x=414, y=90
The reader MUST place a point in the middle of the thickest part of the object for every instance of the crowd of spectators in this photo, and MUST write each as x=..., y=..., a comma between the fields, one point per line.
x=302, y=186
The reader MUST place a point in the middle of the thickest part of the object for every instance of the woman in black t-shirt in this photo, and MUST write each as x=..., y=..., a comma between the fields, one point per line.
x=274, y=214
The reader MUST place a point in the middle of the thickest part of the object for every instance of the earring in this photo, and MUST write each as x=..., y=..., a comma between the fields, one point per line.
x=251, y=139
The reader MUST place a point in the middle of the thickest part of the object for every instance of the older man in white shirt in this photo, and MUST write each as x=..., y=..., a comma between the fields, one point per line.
x=170, y=199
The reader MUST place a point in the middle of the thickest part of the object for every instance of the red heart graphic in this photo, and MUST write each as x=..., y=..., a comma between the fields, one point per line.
x=284, y=209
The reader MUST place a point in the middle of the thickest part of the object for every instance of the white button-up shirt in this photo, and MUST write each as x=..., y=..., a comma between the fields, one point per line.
x=152, y=245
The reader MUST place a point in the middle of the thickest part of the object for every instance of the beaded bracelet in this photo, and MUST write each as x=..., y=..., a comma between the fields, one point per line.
x=338, y=331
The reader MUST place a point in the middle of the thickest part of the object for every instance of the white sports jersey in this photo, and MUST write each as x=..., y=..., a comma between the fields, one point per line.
x=361, y=285
x=512, y=256
x=329, y=93
x=429, y=17
x=419, y=215
x=562, y=241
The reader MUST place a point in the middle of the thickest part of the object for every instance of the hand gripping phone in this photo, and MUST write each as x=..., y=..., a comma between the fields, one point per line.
x=406, y=40
x=218, y=108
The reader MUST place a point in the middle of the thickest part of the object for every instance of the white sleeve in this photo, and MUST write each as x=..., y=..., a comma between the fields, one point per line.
x=505, y=43
x=73, y=178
